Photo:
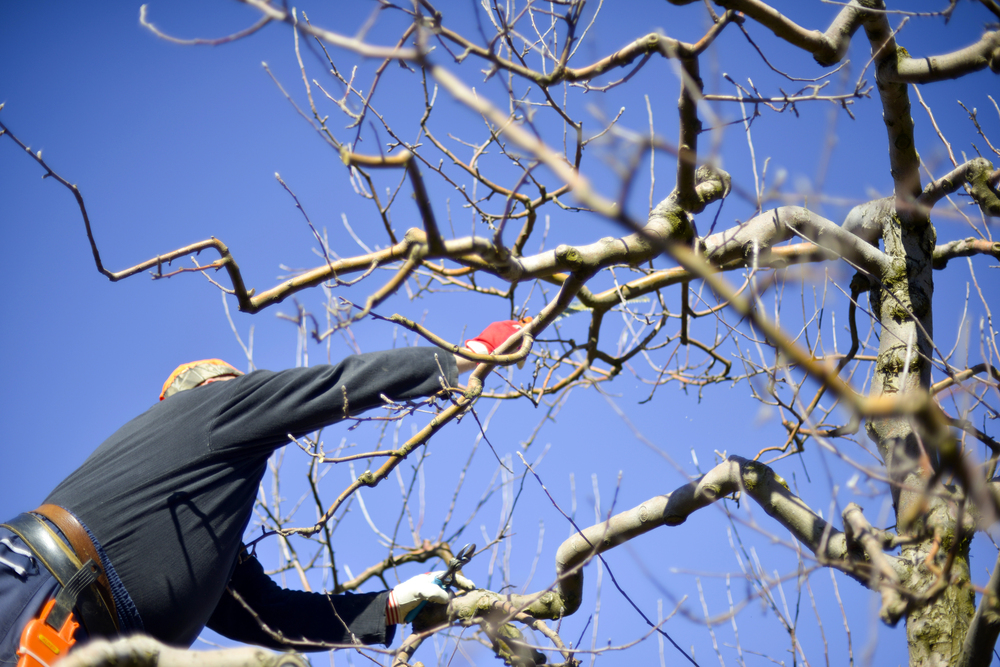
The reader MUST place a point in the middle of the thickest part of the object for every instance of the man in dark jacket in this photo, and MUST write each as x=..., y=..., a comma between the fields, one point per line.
x=162, y=505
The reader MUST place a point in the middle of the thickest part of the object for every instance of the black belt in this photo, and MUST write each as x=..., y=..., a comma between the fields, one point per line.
x=60, y=560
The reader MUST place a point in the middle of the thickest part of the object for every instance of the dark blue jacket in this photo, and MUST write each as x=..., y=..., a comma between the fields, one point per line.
x=170, y=494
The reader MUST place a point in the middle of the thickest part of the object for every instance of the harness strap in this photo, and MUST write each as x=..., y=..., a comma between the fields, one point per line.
x=66, y=597
x=83, y=546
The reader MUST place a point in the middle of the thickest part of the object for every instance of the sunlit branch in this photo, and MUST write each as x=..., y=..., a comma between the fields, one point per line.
x=964, y=248
x=827, y=47
x=141, y=648
x=904, y=165
x=646, y=45
x=981, y=638
x=928, y=69
x=965, y=375
x=734, y=475
x=759, y=234
x=689, y=129
x=976, y=175
x=199, y=41
x=791, y=100
x=358, y=46
x=587, y=259
x=884, y=576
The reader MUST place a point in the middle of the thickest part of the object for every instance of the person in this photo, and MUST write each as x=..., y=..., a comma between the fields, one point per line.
x=159, y=510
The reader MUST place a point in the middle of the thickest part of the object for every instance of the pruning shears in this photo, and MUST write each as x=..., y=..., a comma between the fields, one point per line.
x=447, y=580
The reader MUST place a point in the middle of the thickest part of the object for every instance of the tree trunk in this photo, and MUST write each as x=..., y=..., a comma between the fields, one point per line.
x=936, y=626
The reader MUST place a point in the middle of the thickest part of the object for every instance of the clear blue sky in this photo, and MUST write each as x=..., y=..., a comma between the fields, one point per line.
x=171, y=145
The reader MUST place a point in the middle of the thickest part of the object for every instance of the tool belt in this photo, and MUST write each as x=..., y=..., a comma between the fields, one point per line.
x=94, y=602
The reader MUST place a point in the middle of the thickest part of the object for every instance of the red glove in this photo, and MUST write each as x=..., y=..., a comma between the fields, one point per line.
x=495, y=335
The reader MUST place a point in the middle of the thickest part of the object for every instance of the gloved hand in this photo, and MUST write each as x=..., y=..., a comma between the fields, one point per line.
x=495, y=335
x=406, y=596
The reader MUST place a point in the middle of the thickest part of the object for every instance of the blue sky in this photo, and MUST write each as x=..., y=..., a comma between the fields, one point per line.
x=170, y=145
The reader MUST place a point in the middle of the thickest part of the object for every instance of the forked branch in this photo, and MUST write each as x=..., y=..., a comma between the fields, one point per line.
x=861, y=556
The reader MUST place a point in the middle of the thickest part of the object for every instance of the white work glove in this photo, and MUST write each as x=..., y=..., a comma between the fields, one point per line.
x=407, y=596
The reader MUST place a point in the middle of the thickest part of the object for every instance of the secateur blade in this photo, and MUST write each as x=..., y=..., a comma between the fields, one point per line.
x=460, y=560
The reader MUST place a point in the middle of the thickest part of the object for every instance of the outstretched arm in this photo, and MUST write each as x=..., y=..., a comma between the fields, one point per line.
x=255, y=610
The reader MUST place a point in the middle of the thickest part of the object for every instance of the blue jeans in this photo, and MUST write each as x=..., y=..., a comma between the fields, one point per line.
x=25, y=585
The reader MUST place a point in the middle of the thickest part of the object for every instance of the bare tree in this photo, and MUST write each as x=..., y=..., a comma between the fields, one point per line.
x=688, y=304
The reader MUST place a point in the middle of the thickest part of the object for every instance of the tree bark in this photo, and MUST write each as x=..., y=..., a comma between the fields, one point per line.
x=143, y=651
x=939, y=614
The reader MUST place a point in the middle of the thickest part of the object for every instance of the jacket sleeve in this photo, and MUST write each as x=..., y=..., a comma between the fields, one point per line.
x=284, y=619
x=264, y=407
